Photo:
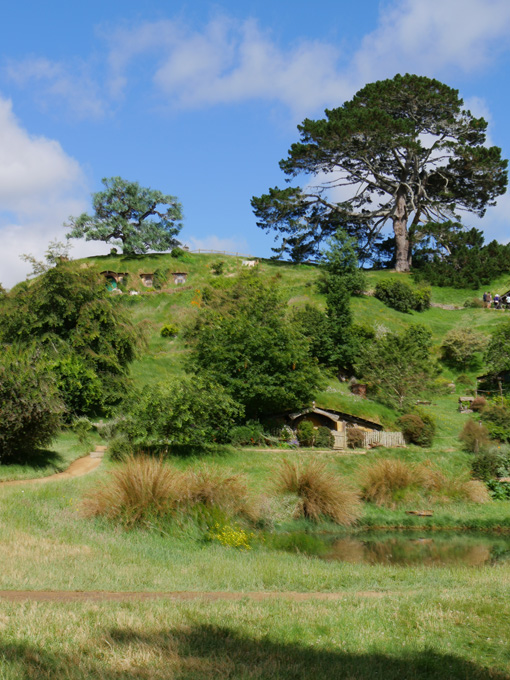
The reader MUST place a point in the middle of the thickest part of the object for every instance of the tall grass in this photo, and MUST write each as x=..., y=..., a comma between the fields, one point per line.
x=144, y=488
x=389, y=481
x=320, y=493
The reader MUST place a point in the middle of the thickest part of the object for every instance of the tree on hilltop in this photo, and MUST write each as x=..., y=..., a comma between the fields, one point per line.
x=126, y=214
x=402, y=151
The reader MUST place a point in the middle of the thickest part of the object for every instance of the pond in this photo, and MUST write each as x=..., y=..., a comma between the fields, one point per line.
x=399, y=548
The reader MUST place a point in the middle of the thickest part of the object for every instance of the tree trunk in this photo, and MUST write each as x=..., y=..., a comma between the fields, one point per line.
x=402, y=250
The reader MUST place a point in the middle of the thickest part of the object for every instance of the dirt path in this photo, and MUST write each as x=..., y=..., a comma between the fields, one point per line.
x=78, y=468
x=178, y=596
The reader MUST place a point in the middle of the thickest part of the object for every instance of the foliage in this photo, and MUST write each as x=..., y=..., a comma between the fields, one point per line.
x=68, y=312
x=324, y=438
x=398, y=366
x=474, y=436
x=218, y=267
x=160, y=277
x=314, y=324
x=57, y=252
x=244, y=341
x=497, y=356
x=465, y=261
x=31, y=410
x=417, y=428
x=490, y=463
x=169, y=330
x=320, y=493
x=340, y=261
x=305, y=433
x=190, y=410
x=355, y=437
x=460, y=345
x=252, y=432
x=400, y=296
x=214, y=487
x=178, y=253
x=231, y=537
x=382, y=480
x=378, y=147
x=496, y=418
x=122, y=215
x=474, y=303
x=465, y=380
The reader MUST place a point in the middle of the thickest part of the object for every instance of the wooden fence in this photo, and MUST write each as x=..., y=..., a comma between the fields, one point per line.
x=389, y=439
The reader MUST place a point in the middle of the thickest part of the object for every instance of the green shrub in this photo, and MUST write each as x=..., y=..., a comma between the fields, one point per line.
x=247, y=435
x=474, y=436
x=78, y=384
x=31, y=410
x=464, y=380
x=320, y=493
x=460, y=345
x=400, y=296
x=324, y=438
x=305, y=433
x=496, y=418
x=499, y=491
x=417, y=428
x=177, y=252
x=218, y=268
x=474, y=303
x=189, y=411
x=169, y=330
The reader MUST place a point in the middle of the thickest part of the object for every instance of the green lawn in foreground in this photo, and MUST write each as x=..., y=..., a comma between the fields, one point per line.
x=453, y=635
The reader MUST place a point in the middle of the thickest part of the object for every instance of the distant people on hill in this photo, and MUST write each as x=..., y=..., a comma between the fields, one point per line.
x=489, y=300
x=496, y=301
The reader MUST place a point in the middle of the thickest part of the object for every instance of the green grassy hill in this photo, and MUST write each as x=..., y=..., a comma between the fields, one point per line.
x=179, y=303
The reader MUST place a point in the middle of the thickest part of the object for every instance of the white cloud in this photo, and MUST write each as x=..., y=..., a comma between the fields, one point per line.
x=69, y=84
x=228, y=62
x=430, y=37
x=40, y=186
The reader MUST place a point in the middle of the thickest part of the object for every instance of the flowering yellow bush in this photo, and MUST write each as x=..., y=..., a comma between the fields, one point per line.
x=231, y=537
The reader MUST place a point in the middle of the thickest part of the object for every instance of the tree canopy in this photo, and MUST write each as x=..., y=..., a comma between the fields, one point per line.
x=402, y=151
x=136, y=218
x=244, y=341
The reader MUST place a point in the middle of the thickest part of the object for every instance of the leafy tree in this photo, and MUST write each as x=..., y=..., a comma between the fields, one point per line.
x=126, y=214
x=183, y=411
x=244, y=341
x=405, y=151
x=55, y=253
x=69, y=314
x=497, y=355
x=398, y=366
x=340, y=261
x=460, y=345
x=313, y=323
x=31, y=410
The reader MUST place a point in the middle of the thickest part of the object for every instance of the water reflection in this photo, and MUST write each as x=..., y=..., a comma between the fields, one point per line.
x=447, y=548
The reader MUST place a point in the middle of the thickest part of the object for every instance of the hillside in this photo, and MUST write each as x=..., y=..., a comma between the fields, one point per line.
x=178, y=303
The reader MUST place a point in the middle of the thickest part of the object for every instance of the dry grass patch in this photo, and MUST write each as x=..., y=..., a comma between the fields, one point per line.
x=213, y=487
x=320, y=493
x=381, y=481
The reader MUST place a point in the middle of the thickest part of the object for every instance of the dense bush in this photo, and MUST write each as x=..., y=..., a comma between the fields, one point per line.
x=496, y=418
x=30, y=407
x=491, y=463
x=474, y=436
x=160, y=277
x=320, y=493
x=417, y=428
x=218, y=268
x=177, y=252
x=460, y=345
x=169, y=330
x=248, y=434
x=324, y=438
x=355, y=437
x=400, y=296
x=305, y=433
x=185, y=411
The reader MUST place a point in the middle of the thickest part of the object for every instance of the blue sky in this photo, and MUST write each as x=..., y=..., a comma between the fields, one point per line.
x=201, y=100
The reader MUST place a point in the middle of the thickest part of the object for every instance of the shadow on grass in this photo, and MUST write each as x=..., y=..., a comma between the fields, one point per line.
x=204, y=652
x=37, y=459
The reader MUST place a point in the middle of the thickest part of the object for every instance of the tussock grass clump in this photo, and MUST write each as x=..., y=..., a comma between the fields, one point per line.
x=390, y=481
x=212, y=487
x=320, y=493
x=142, y=488
x=382, y=480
